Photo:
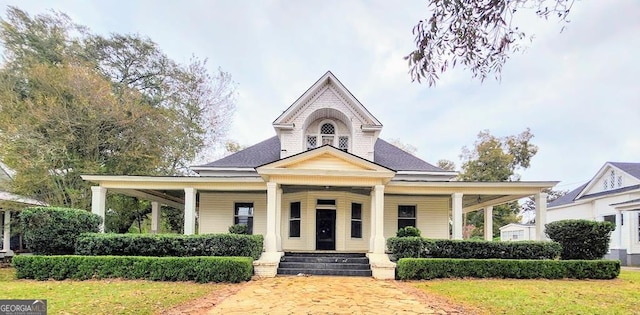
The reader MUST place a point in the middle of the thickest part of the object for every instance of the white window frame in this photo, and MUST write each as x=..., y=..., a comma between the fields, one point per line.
x=335, y=136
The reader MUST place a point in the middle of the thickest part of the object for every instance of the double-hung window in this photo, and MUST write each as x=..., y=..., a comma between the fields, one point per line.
x=406, y=216
x=294, y=219
x=356, y=220
x=244, y=215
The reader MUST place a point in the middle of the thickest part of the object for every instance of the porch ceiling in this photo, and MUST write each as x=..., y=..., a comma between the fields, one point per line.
x=302, y=188
x=172, y=198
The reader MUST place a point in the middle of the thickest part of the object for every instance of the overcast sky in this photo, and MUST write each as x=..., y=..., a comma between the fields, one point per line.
x=578, y=90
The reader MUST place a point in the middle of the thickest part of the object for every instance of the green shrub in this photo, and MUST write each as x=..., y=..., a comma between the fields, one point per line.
x=409, y=247
x=490, y=249
x=199, y=269
x=53, y=231
x=158, y=245
x=431, y=268
x=408, y=231
x=239, y=229
x=581, y=239
x=416, y=247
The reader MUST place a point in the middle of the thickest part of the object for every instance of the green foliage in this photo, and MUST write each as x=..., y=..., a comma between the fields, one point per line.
x=199, y=269
x=100, y=244
x=494, y=159
x=53, y=231
x=409, y=247
x=76, y=103
x=416, y=247
x=446, y=165
x=130, y=210
x=490, y=249
x=477, y=35
x=581, y=239
x=408, y=231
x=239, y=229
x=431, y=268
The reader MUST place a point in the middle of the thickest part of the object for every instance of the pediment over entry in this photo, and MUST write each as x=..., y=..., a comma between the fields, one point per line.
x=325, y=161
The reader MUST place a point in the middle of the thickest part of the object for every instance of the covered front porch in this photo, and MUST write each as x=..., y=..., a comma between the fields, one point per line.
x=290, y=211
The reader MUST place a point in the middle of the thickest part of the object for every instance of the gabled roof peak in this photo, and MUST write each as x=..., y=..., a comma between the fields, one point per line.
x=325, y=81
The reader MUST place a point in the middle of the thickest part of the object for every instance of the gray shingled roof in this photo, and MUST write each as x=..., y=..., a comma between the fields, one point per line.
x=568, y=198
x=390, y=156
x=268, y=151
x=258, y=154
x=632, y=169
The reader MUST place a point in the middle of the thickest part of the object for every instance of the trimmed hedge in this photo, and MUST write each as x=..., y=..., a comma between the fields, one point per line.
x=199, y=269
x=416, y=247
x=581, y=239
x=409, y=247
x=53, y=230
x=160, y=245
x=430, y=268
x=408, y=231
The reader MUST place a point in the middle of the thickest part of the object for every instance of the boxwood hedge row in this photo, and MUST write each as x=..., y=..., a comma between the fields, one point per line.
x=430, y=268
x=417, y=247
x=160, y=245
x=199, y=269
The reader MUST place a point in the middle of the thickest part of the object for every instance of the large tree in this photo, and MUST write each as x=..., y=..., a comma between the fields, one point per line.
x=73, y=102
x=479, y=35
x=495, y=159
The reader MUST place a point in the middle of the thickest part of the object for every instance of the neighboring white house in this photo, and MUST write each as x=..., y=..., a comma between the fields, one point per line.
x=324, y=182
x=613, y=195
x=518, y=232
x=9, y=202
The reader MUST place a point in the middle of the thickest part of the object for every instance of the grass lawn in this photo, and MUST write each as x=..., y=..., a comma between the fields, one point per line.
x=502, y=296
x=108, y=296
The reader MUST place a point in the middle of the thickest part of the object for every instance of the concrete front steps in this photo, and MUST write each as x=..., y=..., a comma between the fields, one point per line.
x=334, y=264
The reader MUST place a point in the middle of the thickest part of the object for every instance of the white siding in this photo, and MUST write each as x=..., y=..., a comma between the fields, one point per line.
x=632, y=224
x=307, y=239
x=580, y=211
x=432, y=214
x=598, y=183
x=216, y=215
x=217, y=209
x=361, y=142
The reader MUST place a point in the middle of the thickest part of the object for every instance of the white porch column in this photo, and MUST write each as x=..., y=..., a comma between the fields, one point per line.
x=541, y=215
x=279, y=219
x=267, y=265
x=6, y=242
x=155, y=217
x=98, y=203
x=456, y=213
x=270, y=240
x=379, y=240
x=372, y=237
x=488, y=223
x=190, y=211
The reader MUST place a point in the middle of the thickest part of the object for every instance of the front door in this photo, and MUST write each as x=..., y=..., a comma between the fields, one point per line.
x=325, y=229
